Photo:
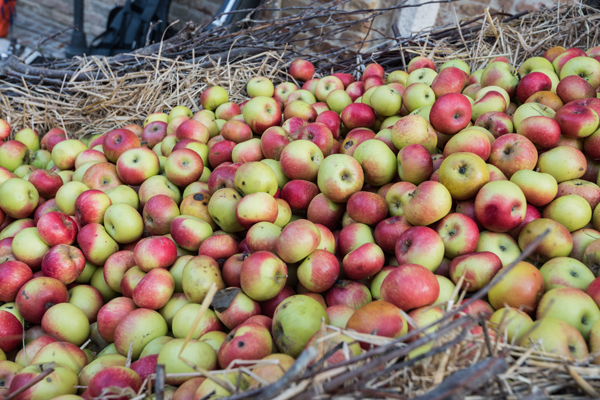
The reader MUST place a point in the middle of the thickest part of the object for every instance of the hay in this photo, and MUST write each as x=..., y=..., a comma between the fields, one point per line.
x=96, y=94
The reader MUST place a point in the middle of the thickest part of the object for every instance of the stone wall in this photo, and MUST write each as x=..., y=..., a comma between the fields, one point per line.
x=468, y=8
x=96, y=11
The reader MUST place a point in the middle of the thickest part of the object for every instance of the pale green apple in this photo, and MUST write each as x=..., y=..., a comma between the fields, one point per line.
x=221, y=208
x=78, y=174
x=572, y=211
x=571, y=305
x=123, y=223
x=156, y=117
x=511, y=322
x=460, y=64
x=556, y=336
x=421, y=75
x=18, y=198
x=180, y=110
x=566, y=272
x=533, y=63
x=397, y=76
x=195, y=353
x=154, y=346
x=295, y=321
x=276, y=167
x=28, y=247
x=417, y=95
x=67, y=323
x=40, y=158
x=529, y=110
x=386, y=101
x=337, y=100
x=65, y=153
x=366, y=97
x=260, y=86
x=446, y=290
x=587, y=68
x=67, y=194
x=501, y=244
x=123, y=194
x=183, y=321
x=29, y=138
x=377, y=160
x=252, y=177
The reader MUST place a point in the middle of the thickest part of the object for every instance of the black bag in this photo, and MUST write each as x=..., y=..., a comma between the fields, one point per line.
x=128, y=26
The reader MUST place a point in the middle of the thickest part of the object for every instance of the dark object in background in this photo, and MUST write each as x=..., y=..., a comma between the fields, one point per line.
x=128, y=28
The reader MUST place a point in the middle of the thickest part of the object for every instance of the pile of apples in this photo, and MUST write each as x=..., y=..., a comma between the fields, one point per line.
x=366, y=204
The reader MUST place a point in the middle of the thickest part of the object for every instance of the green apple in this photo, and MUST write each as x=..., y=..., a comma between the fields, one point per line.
x=180, y=110
x=421, y=75
x=446, y=290
x=198, y=276
x=534, y=63
x=416, y=96
x=18, y=198
x=276, y=167
x=123, y=223
x=571, y=305
x=29, y=138
x=154, y=346
x=397, y=76
x=156, y=117
x=556, y=336
x=566, y=272
x=377, y=160
x=28, y=247
x=61, y=381
x=99, y=283
x=65, y=153
x=184, y=319
x=511, y=322
x=337, y=100
x=252, y=177
x=195, y=353
x=222, y=206
x=67, y=323
x=295, y=321
x=124, y=194
x=67, y=194
x=213, y=97
x=572, y=211
x=40, y=158
x=460, y=64
x=501, y=244
x=260, y=86
x=386, y=101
